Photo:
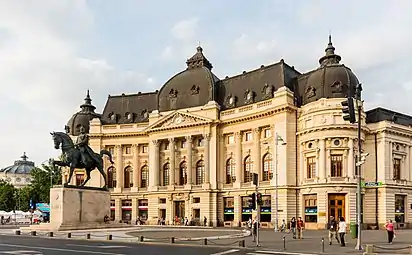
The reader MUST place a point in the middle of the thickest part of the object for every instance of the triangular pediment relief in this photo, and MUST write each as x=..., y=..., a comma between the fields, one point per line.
x=179, y=119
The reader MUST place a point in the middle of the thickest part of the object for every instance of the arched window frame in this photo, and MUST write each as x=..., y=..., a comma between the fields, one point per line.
x=200, y=172
x=111, y=177
x=144, y=176
x=230, y=171
x=183, y=173
x=267, y=167
x=247, y=169
x=127, y=177
x=166, y=174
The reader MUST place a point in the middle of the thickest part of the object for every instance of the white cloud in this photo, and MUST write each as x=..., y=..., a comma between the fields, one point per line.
x=185, y=30
x=44, y=79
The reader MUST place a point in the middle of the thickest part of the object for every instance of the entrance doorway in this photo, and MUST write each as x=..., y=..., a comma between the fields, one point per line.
x=180, y=209
x=337, y=205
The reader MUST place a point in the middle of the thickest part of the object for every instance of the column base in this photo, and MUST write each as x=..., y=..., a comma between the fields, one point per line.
x=237, y=185
x=153, y=188
x=206, y=186
x=117, y=190
x=171, y=187
x=188, y=186
x=134, y=189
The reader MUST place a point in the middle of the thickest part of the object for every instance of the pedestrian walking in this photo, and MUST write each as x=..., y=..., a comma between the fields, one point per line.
x=333, y=230
x=292, y=225
x=342, y=231
x=300, y=227
x=390, y=229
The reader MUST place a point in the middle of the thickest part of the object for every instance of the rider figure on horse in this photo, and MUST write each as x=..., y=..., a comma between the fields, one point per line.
x=82, y=143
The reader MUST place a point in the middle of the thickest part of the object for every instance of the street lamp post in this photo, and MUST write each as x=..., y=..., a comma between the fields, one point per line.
x=359, y=168
x=278, y=139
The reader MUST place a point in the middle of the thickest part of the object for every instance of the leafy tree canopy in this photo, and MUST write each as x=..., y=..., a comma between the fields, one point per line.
x=7, y=196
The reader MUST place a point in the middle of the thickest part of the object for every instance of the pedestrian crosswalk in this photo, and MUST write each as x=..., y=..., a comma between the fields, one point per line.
x=268, y=252
x=21, y=252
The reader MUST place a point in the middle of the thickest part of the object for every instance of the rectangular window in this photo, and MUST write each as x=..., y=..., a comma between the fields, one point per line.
x=145, y=149
x=311, y=208
x=200, y=142
x=311, y=167
x=229, y=202
x=248, y=136
x=111, y=150
x=336, y=162
x=230, y=139
x=162, y=200
x=267, y=133
x=127, y=202
x=128, y=150
x=183, y=144
x=396, y=169
x=79, y=179
x=166, y=146
x=400, y=208
x=196, y=200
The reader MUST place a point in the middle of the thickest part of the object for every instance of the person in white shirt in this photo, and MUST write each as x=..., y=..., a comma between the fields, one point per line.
x=342, y=231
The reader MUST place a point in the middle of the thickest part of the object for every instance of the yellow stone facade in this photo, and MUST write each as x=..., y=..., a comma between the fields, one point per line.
x=216, y=146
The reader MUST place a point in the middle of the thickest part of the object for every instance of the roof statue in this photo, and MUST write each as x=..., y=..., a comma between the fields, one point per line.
x=79, y=155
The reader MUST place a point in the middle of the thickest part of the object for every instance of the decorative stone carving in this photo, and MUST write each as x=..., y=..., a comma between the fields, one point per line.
x=338, y=87
x=206, y=136
x=156, y=143
x=231, y=100
x=173, y=93
x=113, y=117
x=179, y=119
x=145, y=114
x=310, y=92
x=267, y=91
x=194, y=90
x=249, y=96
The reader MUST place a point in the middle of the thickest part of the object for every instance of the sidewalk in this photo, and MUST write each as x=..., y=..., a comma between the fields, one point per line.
x=312, y=239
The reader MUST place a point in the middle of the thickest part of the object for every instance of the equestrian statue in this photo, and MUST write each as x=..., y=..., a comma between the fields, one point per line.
x=79, y=155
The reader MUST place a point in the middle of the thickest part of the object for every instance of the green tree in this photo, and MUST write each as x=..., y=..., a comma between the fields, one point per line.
x=23, y=196
x=42, y=180
x=7, y=196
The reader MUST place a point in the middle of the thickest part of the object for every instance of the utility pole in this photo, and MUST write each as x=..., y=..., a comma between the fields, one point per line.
x=277, y=139
x=359, y=169
x=255, y=181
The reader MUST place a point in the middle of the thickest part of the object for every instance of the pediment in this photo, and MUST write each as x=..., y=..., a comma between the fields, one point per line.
x=179, y=119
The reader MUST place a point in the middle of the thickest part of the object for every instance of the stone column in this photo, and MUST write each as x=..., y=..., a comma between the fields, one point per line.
x=407, y=166
x=172, y=174
x=119, y=166
x=135, y=209
x=136, y=165
x=256, y=154
x=238, y=153
x=302, y=163
x=189, y=159
x=206, y=138
x=117, y=209
x=154, y=164
x=322, y=160
x=390, y=160
x=410, y=163
x=351, y=159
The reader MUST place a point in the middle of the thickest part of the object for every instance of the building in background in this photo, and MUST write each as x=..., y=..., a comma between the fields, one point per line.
x=18, y=174
x=189, y=149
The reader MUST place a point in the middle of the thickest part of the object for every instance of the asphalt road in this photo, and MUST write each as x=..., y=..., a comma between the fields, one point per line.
x=26, y=245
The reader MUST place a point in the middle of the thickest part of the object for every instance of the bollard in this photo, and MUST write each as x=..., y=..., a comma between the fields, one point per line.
x=172, y=240
x=50, y=234
x=141, y=238
x=33, y=233
x=369, y=249
x=284, y=243
x=242, y=243
x=18, y=232
x=205, y=241
x=69, y=235
x=109, y=237
x=322, y=245
x=88, y=236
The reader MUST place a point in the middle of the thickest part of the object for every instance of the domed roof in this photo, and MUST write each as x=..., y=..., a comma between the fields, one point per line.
x=192, y=87
x=331, y=79
x=82, y=118
x=20, y=166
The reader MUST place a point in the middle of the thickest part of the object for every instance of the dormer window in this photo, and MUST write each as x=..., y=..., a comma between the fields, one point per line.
x=231, y=100
x=112, y=116
x=248, y=96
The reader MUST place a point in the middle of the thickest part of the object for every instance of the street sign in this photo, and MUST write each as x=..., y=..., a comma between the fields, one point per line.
x=371, y=184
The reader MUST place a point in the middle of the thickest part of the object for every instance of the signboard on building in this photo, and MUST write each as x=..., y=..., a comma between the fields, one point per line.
x=371, y=184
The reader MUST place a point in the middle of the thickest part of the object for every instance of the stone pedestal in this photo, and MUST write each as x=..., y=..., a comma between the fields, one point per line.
x=74, y=208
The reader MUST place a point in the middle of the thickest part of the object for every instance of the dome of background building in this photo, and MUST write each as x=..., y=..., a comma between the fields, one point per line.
x=192, y=87
x=330, y=80
x=22, y=166
x=82, y=118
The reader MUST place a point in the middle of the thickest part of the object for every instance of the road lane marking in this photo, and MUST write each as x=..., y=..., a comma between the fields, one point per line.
x=22, y=252
x=277, y=252
x=99, y=246
x=57, y=249
x=225, y=252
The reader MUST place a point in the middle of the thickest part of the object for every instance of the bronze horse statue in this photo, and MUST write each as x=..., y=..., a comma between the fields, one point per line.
x=71, y=157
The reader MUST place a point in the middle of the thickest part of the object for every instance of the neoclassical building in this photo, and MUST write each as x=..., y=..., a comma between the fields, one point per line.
x=188, y=149
x=18, y=174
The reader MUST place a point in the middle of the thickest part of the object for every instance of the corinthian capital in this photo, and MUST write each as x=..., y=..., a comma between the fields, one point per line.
x=171, y=140
x=206, y=136
x=155, y=143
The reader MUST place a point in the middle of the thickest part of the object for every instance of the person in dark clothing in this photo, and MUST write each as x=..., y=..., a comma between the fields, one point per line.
x=293, y=227
x=333, y=230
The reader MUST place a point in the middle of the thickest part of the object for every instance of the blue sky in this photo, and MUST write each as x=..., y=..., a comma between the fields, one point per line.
x=52, y=51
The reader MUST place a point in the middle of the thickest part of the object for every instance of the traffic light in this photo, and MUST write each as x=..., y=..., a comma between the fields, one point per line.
x=259, y=198
x=348, y=110
x=252, y=202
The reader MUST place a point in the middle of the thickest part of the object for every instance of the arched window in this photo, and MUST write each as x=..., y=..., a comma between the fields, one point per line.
x=111, y=177
x=267, y=167
x=144, y=176
x=200, y=172
x=230, y=171
x=183, y=173
x=166, y=169
x=128, y=171
x=247, y=169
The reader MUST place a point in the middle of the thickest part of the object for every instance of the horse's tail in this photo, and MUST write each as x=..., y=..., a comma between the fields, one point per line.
x=107, y=153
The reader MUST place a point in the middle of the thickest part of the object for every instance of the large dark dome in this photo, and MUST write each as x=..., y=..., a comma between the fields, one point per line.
x=330, y=80
x=82, y=118
x=20, y=166
x=193, y=87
